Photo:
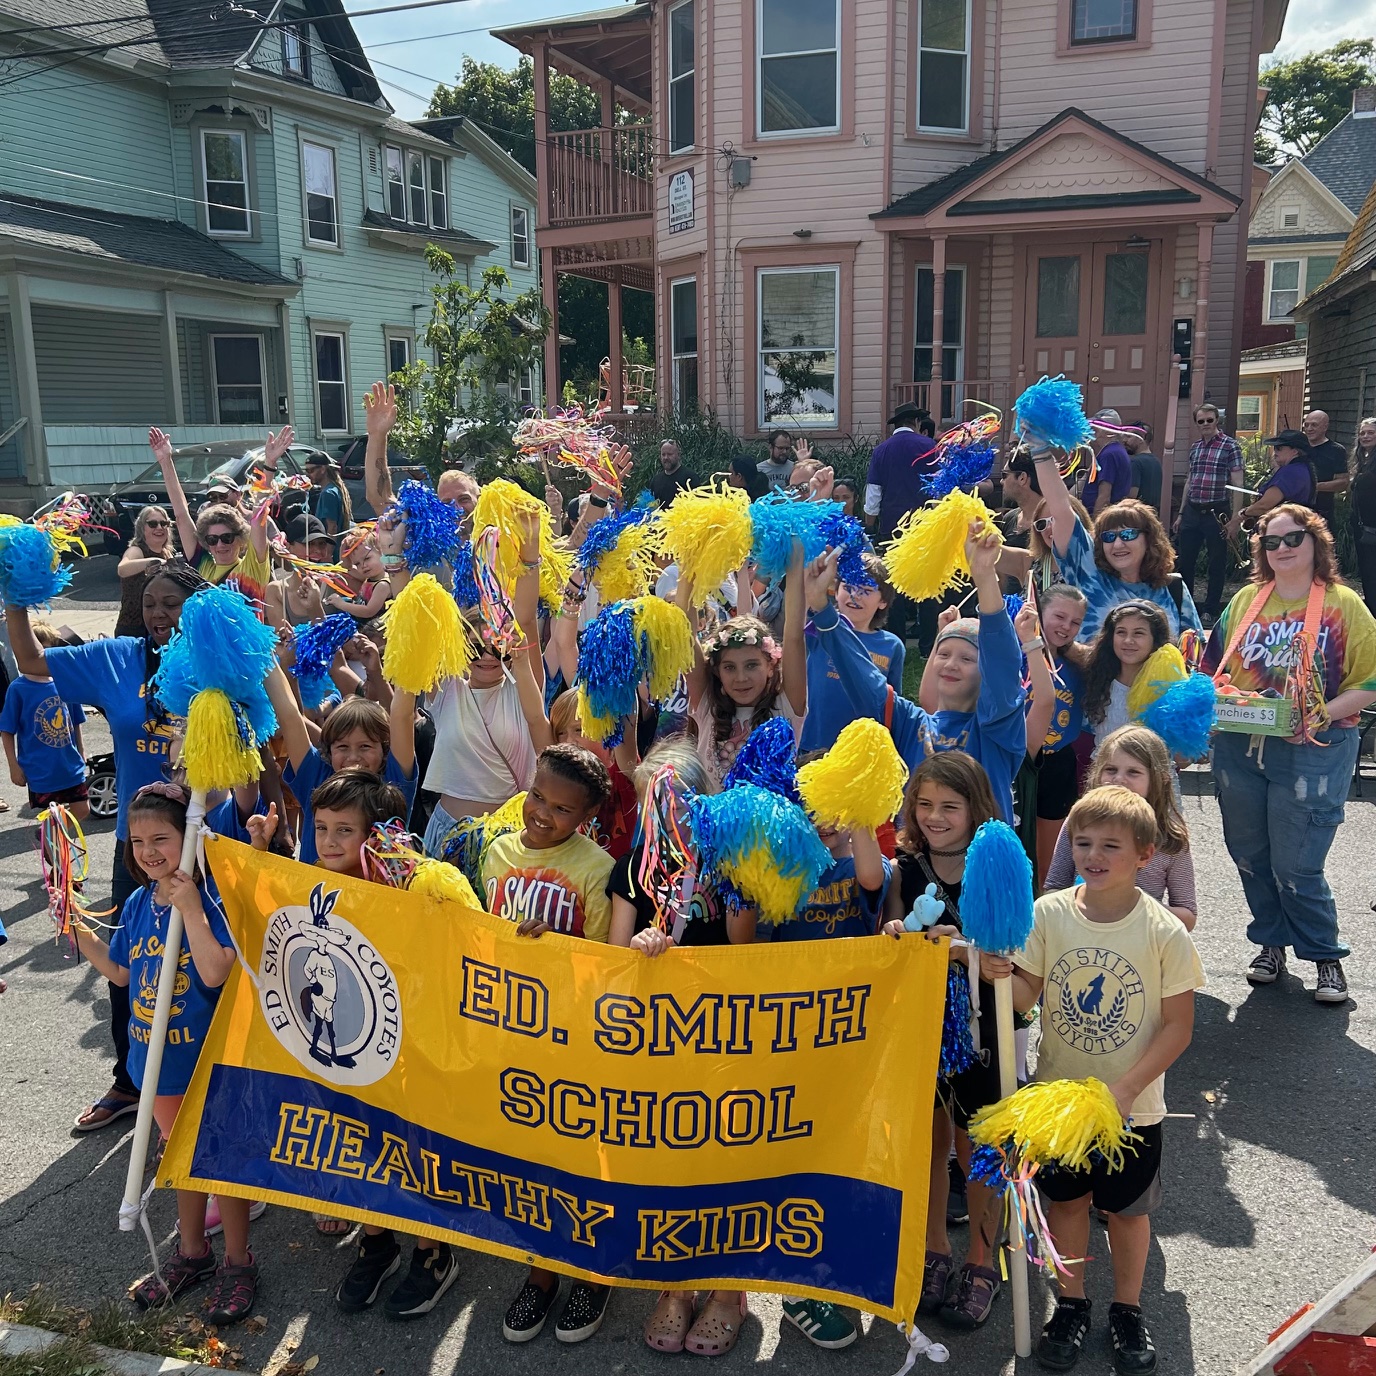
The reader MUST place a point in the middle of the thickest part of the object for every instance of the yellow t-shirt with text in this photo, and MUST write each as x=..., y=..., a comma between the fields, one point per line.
x=564, y=886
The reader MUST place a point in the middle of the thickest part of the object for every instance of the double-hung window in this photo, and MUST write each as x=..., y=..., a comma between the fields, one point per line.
x=798, y=81
x=798, y=329
x=398, y=353
x=296, y=51
x=439, y=200
x=1284, y=292
x=396, y=182
x=415, y=180
x=240, y=397
x=224, y=159
x=683, y=330
x=331, y=382
x=682, y=75
x=322, y=196
x=1102, y=21
x=943, y=65
x=520, y=237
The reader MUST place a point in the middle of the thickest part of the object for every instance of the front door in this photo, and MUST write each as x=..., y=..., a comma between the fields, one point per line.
x=1092, y=315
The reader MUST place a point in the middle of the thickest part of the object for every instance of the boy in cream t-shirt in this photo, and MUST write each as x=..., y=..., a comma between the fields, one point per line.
x=1116, y=973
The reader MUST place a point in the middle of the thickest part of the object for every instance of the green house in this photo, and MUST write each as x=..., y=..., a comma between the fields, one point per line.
x=211, y=220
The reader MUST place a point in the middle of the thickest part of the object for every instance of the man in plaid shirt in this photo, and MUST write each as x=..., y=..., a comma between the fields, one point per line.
x=1215, y=462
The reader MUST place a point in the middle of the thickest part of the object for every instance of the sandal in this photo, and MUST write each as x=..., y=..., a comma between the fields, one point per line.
x=113, y=1105
x=331, y=1227
x=179, y=1272
x=231, y=1297
x=716, y=1328
x=666, y=1329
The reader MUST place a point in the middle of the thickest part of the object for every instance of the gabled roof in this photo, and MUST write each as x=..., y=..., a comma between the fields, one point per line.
x=138, y=241
x=402, y=235
x=610, y=44
x=953, y=195
x=1355, y=263
x=1344, y=160
x=456, y=130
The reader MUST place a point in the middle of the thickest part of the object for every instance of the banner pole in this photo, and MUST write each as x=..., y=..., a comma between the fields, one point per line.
x=132, y=1204
x=1017, y=1251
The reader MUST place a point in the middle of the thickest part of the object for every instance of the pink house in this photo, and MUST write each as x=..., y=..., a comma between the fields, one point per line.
x=843, y=204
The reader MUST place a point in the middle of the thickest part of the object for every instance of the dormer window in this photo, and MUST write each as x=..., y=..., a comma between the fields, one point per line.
x=296, y=50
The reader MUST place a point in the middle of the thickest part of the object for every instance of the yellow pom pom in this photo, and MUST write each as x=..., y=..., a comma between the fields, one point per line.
x=214, y=754
x=1060, y=1122
x=707, y=532
x=1162, y=668
x=426, y=640
x=556, y=565
x=776, y=897
x=628, y=568
x=435, y=879
x=859, y=782
x=499, y=503
x=669, y=636
x=928, y=554
x=589, y=723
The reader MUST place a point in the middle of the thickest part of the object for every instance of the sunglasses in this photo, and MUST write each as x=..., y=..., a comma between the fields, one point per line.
x=228, y=538
x=1043, y=523
x=1128, y=534
x=1292, y=539
x=155, y=525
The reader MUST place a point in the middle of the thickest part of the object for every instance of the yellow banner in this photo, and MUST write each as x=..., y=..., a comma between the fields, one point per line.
x=752, y=1118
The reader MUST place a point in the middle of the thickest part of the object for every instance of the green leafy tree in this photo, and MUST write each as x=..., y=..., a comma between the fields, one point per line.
x=1308, y=95
x=481, y=336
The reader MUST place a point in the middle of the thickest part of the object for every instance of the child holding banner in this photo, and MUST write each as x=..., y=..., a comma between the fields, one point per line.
x=157, y=825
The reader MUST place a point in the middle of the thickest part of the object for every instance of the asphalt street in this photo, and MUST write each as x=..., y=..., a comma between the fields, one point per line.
x=1270, y=1191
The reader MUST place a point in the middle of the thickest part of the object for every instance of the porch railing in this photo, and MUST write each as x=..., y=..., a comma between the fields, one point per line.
x=961, y=398
x=596, y=175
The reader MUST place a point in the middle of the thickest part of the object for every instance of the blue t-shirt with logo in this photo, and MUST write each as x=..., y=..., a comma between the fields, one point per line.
x=43, y=727
x=838, y=906
x=1067, y=721
x=109, y=674
x=829, y=707
x=315, y=769
x=137, y=945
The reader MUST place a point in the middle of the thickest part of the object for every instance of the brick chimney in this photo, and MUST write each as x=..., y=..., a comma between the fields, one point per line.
x=1364, y=102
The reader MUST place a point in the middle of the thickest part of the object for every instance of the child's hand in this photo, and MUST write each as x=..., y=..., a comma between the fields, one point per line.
x=652, y=942
x=946, y=617
x=982, y=548
x=819, y=578
x=528, y=528
x=820, y=484
x=1124, y=1096
x=286, y=647
x=183, y=894
x=994, y=967
x=894, y=928
x=532, y=926
x=17, y=775
x=1026, y=624
x=262, y=828
x=361, y=650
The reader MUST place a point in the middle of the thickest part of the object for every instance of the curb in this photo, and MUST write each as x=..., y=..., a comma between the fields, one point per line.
x=18, y=1339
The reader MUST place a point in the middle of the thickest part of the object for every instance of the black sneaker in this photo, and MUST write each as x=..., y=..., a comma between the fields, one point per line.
x=1133, y=1350
x=1268, y=966
x=1058, y=1349
x=433, y=1270
x=528, y=1312
x=957, y=1202
x=1332, y=984
x=970, y=1302
x=378, y=1257
x=583, y=1311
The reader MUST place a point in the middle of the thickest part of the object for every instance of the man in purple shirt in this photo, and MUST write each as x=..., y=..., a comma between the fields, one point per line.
x=1112, y=481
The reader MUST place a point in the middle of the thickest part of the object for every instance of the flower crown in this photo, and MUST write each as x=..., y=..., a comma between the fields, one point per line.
x=740, y=638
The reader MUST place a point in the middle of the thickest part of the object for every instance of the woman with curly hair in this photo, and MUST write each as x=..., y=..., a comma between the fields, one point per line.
x=1126, y=556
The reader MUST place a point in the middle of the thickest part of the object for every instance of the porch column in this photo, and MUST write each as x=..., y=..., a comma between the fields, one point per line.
x=1199, y=353
x=549, y=288
x=541, y=60
x=26, y=382
x=938, y=323
x=171, y=360
x=288, y=381
x=615, y=397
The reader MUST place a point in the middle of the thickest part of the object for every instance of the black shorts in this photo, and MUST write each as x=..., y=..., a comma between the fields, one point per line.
x=963, y=1095
x=77, y=793
x=1058, y=784
x=1132, y=1191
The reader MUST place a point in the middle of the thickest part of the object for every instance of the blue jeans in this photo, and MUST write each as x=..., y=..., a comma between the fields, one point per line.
x=1282, y=806
x=441, y=823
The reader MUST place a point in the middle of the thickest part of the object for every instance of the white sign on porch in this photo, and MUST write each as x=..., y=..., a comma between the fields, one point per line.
x=681, y=201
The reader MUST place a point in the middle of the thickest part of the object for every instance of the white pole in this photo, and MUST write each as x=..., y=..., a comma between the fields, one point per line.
x=1017, y=1252
x=131, y=1205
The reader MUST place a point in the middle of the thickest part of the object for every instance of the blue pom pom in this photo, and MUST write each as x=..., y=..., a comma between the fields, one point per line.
x=986, y=1168
x=609, y=664
x=31, y=574
x=465, y=585
x=1051, y=414
x=777, y=519
x=1184, y=716
x=316, y=645
x=219, y=643
x=768, y=759
x=961, y=466
x=432, y=526
x=602, y=535
x=996, y=898
x=957, y=1045
x=845, y=533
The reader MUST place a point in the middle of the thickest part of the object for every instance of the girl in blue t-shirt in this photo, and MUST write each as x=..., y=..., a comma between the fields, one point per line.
x=133, y=958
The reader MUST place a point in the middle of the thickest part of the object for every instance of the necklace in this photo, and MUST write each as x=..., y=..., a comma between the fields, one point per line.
x=946, y=854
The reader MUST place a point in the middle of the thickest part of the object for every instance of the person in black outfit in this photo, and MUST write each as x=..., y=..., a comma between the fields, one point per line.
x=1329, y=462
x=672, y=478
x=1146, y=467
x=1363, y=507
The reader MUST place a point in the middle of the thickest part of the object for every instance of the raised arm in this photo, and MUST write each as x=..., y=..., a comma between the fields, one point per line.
x=28, y=653
x=380, y=415
x=795, y=644
x=290, y=722
x=161, y=446
x=532, y=699
x=402, y=716
x=1043, y=705
x=1057, y=498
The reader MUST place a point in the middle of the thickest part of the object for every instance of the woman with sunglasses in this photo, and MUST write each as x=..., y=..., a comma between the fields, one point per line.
x=152, y=545
x=115, y=675
x=1282, y=797
x=1126, y=557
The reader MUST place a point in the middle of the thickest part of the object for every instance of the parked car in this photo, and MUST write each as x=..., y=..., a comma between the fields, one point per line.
x=348, y=454
x=198, y=466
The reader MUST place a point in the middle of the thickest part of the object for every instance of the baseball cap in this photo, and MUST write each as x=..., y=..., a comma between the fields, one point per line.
x=1291, y=439
x=1108, y=415
x=223, y=484
x=302, y=529
x=320, y=461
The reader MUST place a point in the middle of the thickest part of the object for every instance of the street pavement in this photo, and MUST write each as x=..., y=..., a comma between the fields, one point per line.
x=1270, y=1190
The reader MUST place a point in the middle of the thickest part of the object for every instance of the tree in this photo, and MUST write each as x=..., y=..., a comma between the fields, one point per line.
x=481, y=337
x=1308, y=95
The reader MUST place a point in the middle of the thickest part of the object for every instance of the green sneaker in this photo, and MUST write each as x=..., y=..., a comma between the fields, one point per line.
x=821, y=1323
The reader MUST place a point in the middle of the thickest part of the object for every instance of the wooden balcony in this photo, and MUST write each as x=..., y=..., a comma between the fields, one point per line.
x=600, y=176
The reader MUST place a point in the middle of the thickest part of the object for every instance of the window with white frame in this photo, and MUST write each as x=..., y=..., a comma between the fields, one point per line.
x=439, y=199
x=1248, y=414
x=296, y=51
x=683, y=342
x=520, y=237
x=1283, y=293
x=1102, y=21
x=224, y=162
x=398, y=353
x=331, y=382
x=395, y=174
x=237, y=364
x=683, y=121
x=799, y=326
x=943, y=65
x=415, y=180
x=798, y=78
x=322, y=197
x=525, y=386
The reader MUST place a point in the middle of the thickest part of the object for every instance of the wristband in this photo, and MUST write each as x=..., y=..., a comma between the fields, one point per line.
x=394, y=561
x=533, y=564
x=1036, y=643
x=599, y=502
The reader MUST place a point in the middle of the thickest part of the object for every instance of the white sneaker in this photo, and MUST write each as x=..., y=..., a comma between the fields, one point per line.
x=1332, y=985
x=1269, y=965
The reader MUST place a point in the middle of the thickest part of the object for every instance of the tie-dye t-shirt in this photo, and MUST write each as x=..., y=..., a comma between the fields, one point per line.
x=249, y=575
x=1346, y=650
x=564, y=886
